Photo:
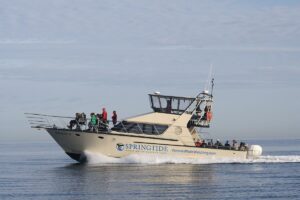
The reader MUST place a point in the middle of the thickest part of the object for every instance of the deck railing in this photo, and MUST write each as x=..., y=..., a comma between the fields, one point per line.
x=47, y=121
x=42, y=121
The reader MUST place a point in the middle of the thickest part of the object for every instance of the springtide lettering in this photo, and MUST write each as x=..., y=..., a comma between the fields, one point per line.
x=142, y=147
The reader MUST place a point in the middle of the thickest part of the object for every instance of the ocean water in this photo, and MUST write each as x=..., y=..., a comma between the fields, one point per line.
x=41, y=170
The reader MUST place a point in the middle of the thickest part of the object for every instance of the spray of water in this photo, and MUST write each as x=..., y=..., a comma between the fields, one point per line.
x=93, y=158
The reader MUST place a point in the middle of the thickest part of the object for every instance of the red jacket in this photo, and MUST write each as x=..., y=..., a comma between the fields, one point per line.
x=104, y=116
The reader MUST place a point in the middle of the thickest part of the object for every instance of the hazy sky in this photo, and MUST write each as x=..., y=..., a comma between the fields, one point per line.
x=67, y=56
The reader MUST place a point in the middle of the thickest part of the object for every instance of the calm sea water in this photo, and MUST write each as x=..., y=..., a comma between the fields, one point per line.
x=41, y=170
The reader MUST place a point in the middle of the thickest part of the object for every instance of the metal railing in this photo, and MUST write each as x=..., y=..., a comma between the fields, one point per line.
x=47, y=121
x=60, y=122
x=42, y=121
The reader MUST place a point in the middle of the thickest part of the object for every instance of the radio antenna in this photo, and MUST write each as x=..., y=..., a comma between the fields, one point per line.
x=212, y=86
x=209, y=78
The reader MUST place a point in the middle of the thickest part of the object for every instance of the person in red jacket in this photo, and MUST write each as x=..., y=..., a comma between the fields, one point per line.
x=104, y=115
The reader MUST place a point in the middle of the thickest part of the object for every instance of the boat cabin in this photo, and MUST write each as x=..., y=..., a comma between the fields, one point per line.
x=178, y=105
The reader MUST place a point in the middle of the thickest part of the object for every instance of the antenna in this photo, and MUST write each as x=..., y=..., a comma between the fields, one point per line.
x=212, y=86
x=209, y=78
x=209, y=82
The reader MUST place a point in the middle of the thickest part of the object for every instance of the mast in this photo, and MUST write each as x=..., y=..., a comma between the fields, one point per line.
x=212, y=86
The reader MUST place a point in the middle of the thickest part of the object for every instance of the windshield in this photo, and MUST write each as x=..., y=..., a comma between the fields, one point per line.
x=169, y=104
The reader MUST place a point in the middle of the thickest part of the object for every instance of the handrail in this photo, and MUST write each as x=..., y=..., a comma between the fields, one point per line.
x=54, y=121
x=61, y=122
x=36, y=114
x=46, y=121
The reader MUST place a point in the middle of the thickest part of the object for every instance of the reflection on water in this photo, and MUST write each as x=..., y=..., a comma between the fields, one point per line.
x=132, y=179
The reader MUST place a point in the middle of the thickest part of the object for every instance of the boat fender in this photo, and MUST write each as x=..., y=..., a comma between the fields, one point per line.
x=254, y=151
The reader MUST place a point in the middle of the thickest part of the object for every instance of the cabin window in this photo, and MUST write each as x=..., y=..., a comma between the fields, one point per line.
x=155, y=102
x=141, y=128
x=148, y=129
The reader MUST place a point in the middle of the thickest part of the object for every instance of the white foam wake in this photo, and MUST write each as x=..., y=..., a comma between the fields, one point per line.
x=276, y=159
x=94, y=158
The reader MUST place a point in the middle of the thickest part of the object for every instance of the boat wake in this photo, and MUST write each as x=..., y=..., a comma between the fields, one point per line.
x=93, y=158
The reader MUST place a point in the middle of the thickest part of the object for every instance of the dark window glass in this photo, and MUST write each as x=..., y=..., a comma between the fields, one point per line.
x=151, y=129
x=119, y=127
x=161, y=128
x=133, y=128
x=148, y=129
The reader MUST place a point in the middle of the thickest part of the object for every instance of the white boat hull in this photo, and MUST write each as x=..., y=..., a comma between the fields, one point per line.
x=117, y=145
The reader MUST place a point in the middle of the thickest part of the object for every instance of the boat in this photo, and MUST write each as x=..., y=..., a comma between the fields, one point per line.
x=173, y=128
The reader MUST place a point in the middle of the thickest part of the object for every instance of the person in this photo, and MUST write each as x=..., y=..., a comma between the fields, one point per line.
x=114, y=118
x=209, y=143
x=169, y=106
x=203, y=144
x=209, y=116
x=74, y=122
x=242, y=146
x=204, y=117
x=227, y=144
x=234, y=144
x=218, y=143
x=198, y=143
x=93, y=122
x=198, y=112
x=206, y=109
x=99, y=117
x=82, y=119
x=104, y=115
x=207, y=113
x=102, y=125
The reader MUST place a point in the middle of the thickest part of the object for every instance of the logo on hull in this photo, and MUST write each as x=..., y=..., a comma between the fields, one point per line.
x=120, y=147
x=141, y=147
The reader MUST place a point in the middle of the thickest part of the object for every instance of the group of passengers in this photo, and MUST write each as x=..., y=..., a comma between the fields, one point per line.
x=97, y=121
x=200, y=117
x=234, y=145
x=80, y=119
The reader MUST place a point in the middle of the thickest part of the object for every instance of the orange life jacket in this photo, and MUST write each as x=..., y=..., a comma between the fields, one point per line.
x=209, y=116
